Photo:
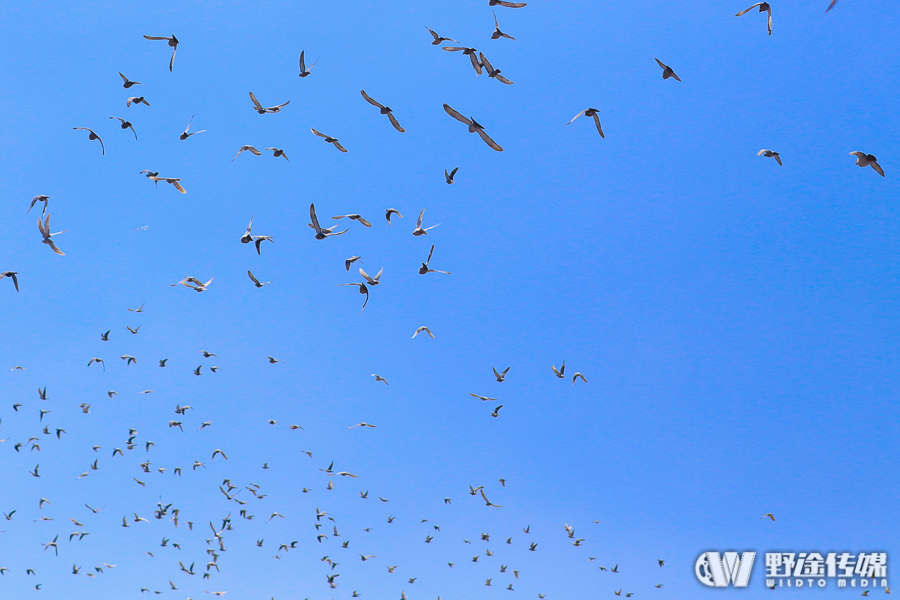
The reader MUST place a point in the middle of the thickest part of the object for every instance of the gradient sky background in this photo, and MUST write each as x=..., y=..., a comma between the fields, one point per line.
x=736, y=320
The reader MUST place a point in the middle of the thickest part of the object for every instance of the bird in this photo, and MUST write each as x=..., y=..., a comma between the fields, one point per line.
x=438, y=39
x=321, y=234
x=139, y=309
x=362, y=290
x=362, y=425
x=867, y=160
x=48, y=237
x=667, y=71
x=133, y=331
x=770, y=515
x=661, y=562
x=97, y=360
x=474, y=127
x=501, y=377
x=373, y=281
x=128, y=83
x=330, y=140
x=385, y=110
x=272, y=360
x=173, y=43
x=449, y=176
x=175, y=181
x=486, y=501
x=590, y=112
x=263, y=110
x=162, y=363
x=277, y=152
x=763, y=7
x=354, y=217
x=36, y=199
x=380, y=378
x=470, y=52
x=304, y=72
x=830, y=6
x=483, y=398
x=126, y=125
x=770, y=154
x=94, y=136
x=497, y=33
x=136, y=100
x=11, y=275
x=391, y=211
x=418, y=230
x=491, y=71
x=248, y=148
x=185, y=135
x=256, y=281
x=351, y=260
x=424, y=268
x=425, y=329
x=507, y=4
x=576, y=376
x=496, y=414
x=561, y=372
x=259, y=239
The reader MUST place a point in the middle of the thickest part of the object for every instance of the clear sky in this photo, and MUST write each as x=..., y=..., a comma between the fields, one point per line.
x=735, y=319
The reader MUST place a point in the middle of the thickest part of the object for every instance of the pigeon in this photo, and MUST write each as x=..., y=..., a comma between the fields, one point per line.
x=94, y=136
x=667, y=71
x=438, y=39
x=590, y=112
x=128, y=83
x=304, y=72
x=173, y=42
x=867, y=160
x=385, y=110
x=763, y=7
x=126, y=125
x=330, y=140
x=449, y=176
x=474, y=127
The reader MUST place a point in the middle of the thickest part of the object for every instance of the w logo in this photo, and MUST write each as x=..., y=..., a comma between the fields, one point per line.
x=715, y=570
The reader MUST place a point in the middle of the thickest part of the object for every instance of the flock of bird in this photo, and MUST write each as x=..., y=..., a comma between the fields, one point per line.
x=242, y=497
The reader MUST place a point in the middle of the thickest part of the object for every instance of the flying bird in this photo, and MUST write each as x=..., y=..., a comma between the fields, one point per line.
x=507, y=4
x=770, y=154
x=321, y=234
x=486, y=501
x=424, y=268
x=373, y=281
x=590, y=112
x=94, y=136
x=362, y=290
x=867, y=160
x=495, y=414
x=385, y=110
x=474, y=127
x=97, y=360
x=763, y=7
x=248, y=148
x=491, y=71
x=438, y=39
x=256, y=281
x=449, y=176
x=329, y=140
x=418, y=230
x=45, y=232
x=391, y=211
x=354, y=217
x=425, y=329
x=561, y=372
x=501, y=377
x=126, y=125
x=128, y=83
x=470, y=52
x=41, y=198
x=185, y=135
x=11, y=275
x=173, y=43
x=830, y=6
x=136, y=100
x=576, y=376
x=278, y=152
x=497, y=33
x=304, y=72
x=667, y=71
x=351, y=260
x=380, y=378
x=770, y=515
x=263, y=110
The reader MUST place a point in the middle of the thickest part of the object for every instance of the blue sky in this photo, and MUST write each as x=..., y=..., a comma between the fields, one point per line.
x=735, y=319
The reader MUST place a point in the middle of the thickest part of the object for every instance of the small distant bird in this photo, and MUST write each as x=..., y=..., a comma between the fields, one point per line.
x=474, y=127
x=136, y=100
x=561, y=372
x=277, y=152
x=354, y=217
x=424, y=268
x=304, y=72
x=449, y=176
x=491, y=71
x=11, y=275
x=497, y=33
x=770, y=515
x=139, y=309
x=133, y=331
x=128, y=83
x=438, y=39
x=507, y=4
x=330, y=140
x=391, y=211
x=162, y=363
x=173, y=43
x=590, y=112
x=425, y=329
x=321, y=233
x=667, y=71
x=576, y=376
x=272, y=361
x=248, y=148
x=362, y=425
x=418, y=230
x=496, y=414
x=867, y=160
x=97, y=360
x=385, y=110
x=373, y=281
x=41, y=198
x=770, y=154
x=48, y=237
x=256, y=281
x=763, y=7
x=661, y=562
x=126, y=125
x=185, y=135
x=94, y=136
x=380, y=378
x=501, y=377
x=263, y=110
x=483, y=398
x=351, y=260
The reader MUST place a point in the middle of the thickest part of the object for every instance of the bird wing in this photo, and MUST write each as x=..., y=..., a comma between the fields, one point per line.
x=496, y=24
x=255, y=280
x=576, y=116
x=877, y=167
x=178, y=186
x=172, y=60
x=436, y=36
x=769, y=10
x=369, y=99
x=255, y=102
x=418, y=221
x=302, y=61
x=744, y=12
x=153, y=37
x=453, y=172
x=453, y=48
x=489, y=141
x=318, y=133
x=597, y=123
x=279, y=107
x=487, y=64
x=502, y=79
x=660, y=63
x=830, y=6
x=123, y=77
x=366, y=277
x=338, y=146
x=395, y=123
x=254, y=150
x=312, y=215
x=430, y=252
x=363, y=221
x=778, y=159
x=54, y=248
x=456, y=115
